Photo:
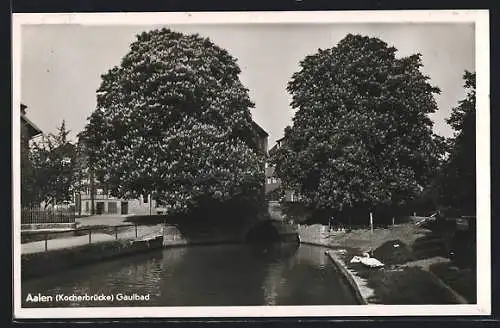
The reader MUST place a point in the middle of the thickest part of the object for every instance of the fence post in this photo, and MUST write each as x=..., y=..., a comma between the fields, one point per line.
x=371, y=235
x=135, y=225
x=46, y=246
x=90, y=236
x=116, y=232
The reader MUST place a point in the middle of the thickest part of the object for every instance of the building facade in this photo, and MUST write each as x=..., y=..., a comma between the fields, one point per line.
x=105, y=204
x=273, y=183
x=262, y=137
x=28, y=132
x=28, y=129
x=262, y=144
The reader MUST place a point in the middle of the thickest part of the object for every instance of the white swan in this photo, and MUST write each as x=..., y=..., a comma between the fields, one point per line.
x=367, y=261
x=356, y=259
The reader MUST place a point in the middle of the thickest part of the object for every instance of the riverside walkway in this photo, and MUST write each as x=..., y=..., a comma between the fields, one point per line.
x=128, y=233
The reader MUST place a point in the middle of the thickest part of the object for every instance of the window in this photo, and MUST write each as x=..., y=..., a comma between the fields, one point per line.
x=268, y=180
x=266, y=165
x=87, y=207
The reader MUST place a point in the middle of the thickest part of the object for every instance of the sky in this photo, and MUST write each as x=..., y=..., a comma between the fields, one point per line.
x=61, y=64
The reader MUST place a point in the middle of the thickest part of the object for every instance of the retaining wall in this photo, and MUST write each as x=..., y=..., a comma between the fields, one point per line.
x=347, y=277
x=47, y=226
x=43, y=263
x=172, y=236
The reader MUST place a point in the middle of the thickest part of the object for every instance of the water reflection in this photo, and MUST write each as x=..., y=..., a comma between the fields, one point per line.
x=225, y=275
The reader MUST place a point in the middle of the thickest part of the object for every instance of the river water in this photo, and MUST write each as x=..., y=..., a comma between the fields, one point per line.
x=219, y=275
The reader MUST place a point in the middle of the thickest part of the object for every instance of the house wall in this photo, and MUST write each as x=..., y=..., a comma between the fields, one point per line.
x=262, y=147
x=25, y=137
x=272, y=182
x=263, y=144
x=113, y=205
x=28, y=132
x=142, y=206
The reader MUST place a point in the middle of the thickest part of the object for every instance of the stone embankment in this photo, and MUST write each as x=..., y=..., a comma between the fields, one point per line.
x=43, y=263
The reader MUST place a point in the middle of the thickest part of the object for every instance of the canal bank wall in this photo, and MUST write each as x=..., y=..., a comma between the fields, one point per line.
x=362, y=293
x=56, y=260
x=45, y=263
x=362, y=300
x=174, y=236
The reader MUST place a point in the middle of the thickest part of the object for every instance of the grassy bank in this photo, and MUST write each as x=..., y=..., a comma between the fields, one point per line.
x=396, y=284
x=462, y=280
x=413, y=258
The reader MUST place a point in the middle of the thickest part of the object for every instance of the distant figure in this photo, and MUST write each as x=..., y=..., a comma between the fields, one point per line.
x=330, y=224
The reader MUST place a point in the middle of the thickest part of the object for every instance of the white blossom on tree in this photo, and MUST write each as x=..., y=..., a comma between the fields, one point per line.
x=173, y=120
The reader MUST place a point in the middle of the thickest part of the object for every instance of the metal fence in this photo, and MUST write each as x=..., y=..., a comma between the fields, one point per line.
x=41, y=215
x=44, y=241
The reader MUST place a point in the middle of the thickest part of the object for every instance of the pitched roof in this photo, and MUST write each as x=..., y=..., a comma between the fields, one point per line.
x=33, y=130
x=281, y=139
x=275, y=147
x=259, y=129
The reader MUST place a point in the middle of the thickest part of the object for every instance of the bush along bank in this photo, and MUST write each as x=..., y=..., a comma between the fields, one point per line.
x=43, y=263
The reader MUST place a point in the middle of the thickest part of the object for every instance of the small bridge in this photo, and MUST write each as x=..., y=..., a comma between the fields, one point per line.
x=270, y=226
x=266, y=227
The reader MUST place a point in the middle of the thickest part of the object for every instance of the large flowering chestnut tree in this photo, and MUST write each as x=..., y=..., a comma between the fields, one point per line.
x=173, y=121
x=361, y=135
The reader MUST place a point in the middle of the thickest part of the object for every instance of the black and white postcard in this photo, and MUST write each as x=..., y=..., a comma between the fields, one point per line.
x=251, y=164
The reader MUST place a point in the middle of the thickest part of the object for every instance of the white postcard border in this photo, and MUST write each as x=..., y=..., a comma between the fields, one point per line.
x=481, y=20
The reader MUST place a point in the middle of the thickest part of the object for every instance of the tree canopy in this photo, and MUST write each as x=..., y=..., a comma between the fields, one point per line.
x=173, y=120
x=53, y=167
x=457, y=183
x=361, y=136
